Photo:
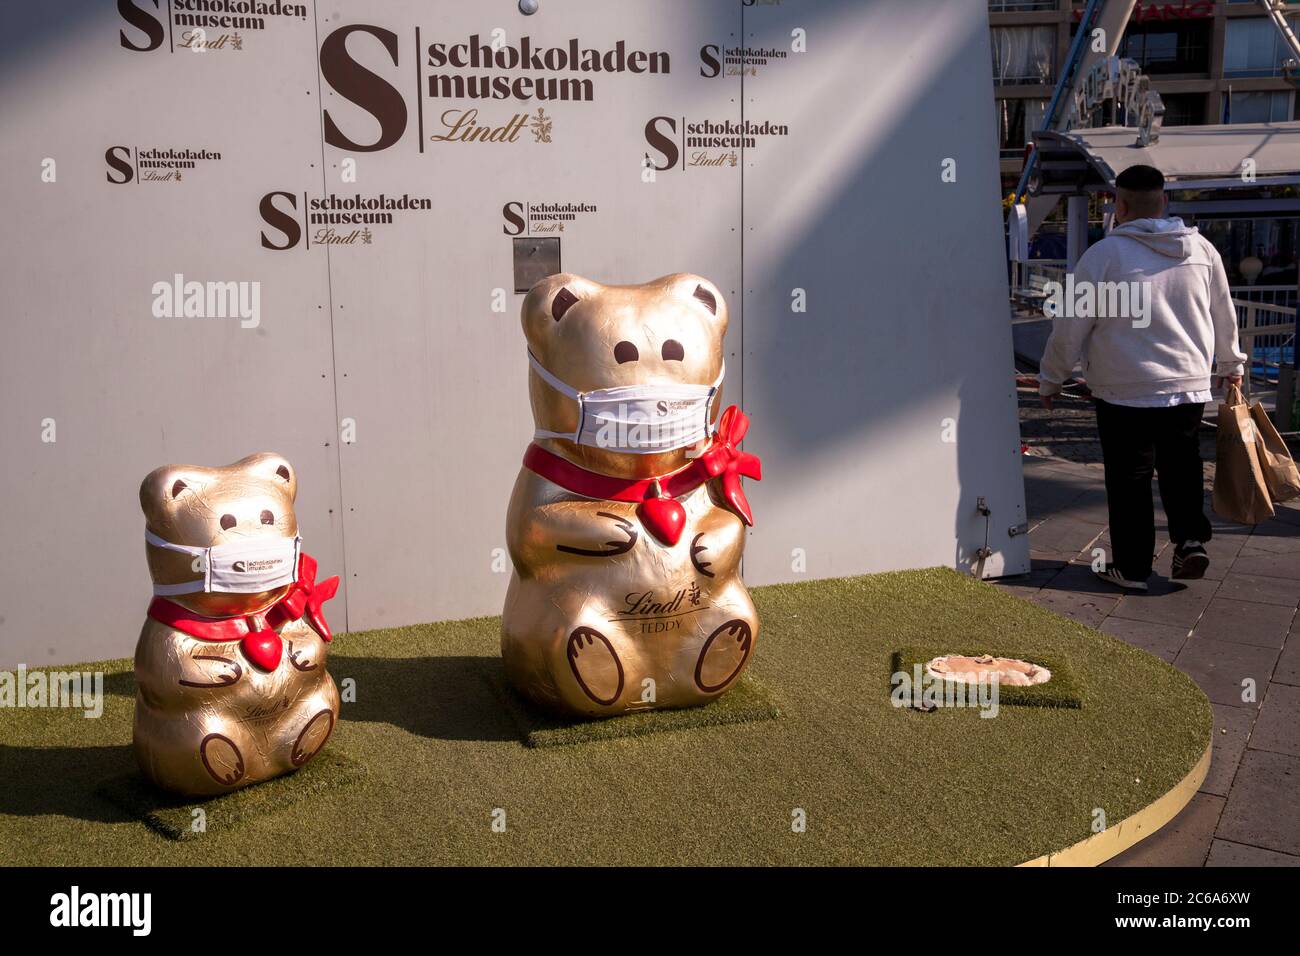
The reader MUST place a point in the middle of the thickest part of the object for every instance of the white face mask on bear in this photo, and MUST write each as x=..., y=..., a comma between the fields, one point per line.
x=238, y=567
x=636, y=419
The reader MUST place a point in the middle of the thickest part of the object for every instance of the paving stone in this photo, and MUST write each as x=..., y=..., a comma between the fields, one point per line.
x=1064, y=535
x=1183, y=841
x=1231, y=730
x=1226, y=853
x=1245, y=622
x=1162, y=640
x=1087, y=609
x=1288, y=665
x=1261, y=809
x=1278, y=727
x=1276, y=537
x=1078, y=578
x=1168, y=602
x=1260, y=589
x=1219, y=667
x=1269, y=565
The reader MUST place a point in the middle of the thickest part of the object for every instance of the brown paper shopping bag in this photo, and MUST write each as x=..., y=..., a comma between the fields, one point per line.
x=1240, y=493
x=1280, y=474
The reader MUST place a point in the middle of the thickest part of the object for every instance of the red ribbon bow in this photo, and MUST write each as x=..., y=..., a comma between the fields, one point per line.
x=256, y=633
x=305, y=597
x=724, y=460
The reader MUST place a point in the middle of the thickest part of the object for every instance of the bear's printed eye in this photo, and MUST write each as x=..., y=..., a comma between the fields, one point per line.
x=625, y=352
x=705, y=296
x=560, y=304
x=228, y=522
x=673, y=351
x=283, y=472
x=178, y=487
x=268, y=518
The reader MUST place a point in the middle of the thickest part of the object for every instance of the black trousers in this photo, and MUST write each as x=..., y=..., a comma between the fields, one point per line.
x=1136, y=442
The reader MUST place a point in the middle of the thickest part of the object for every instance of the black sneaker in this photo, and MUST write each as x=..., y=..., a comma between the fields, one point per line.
x=1190, y=561
x=1110, y=574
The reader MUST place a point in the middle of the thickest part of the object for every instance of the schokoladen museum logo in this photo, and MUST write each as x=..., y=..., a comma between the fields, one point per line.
x=205, y=26
x=300, y=220
x=682, y=142
x=544, y=218
x=482, y=90
x=156, y=164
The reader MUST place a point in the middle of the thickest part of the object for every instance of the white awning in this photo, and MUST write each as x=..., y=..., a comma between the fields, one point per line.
x=1187, y=153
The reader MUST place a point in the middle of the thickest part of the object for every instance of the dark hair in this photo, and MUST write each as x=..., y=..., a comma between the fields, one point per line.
x=1140, y=179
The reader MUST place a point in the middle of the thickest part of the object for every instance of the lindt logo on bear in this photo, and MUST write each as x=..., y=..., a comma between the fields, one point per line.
x=627, y=522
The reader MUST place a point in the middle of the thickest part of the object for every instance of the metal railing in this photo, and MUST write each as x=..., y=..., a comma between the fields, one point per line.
x=1267, y=336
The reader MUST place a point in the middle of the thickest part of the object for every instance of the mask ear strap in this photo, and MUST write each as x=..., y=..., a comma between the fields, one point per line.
x=188, y=587
x=563, y=389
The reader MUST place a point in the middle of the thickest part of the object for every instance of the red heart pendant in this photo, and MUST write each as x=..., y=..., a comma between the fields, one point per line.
x=663, y=517
x=263, y=648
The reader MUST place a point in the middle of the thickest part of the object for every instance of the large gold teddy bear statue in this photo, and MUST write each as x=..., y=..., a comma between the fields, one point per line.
x=627, y=521
x=231, y=686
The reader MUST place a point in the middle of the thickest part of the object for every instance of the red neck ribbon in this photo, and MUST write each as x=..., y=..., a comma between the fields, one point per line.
x=256, y=633
x=721, y=460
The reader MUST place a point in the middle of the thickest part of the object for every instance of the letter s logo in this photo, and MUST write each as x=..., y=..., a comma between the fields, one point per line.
x=662, y=143
x=709, y=58
x=354, y=82
x=511, y=212
x=286, y=223
x=121, y=163
x=144, y=21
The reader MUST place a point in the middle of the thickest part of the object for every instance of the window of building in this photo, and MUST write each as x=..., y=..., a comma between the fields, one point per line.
x=1183, y=109
x=1020, y=6
x=1254, y=47
x=1275, y=242
x=1024, y=54
x=1257, y=107
x=1169, y=47
x=1017, y=121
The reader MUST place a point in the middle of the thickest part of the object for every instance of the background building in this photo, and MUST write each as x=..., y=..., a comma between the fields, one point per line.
x=1212, y=63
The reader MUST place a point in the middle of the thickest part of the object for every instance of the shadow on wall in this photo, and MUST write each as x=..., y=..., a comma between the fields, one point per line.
x=917, y=261
x=33, y=32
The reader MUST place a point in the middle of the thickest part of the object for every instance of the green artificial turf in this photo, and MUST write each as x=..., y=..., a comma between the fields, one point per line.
x=174, y=817
x=748, y=700
x=874, y=784
x=1062, y=690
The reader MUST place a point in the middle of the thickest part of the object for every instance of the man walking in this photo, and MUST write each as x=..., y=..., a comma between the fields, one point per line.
x=1149, y=370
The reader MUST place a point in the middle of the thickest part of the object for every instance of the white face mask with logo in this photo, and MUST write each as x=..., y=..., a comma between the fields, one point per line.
x=238, y=567
x=636, y=419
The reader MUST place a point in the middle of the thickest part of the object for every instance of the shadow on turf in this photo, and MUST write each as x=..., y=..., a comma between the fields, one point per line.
x=441, y=697
x=41, y=781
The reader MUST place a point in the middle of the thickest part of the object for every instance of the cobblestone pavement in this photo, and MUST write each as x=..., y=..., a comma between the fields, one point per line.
x=1236, y=633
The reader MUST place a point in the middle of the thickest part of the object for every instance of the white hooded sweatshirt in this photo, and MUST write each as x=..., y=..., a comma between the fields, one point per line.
x=1192, y=330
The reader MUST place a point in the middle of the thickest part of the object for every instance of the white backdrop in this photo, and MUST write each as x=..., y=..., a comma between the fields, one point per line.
x=389, y=366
